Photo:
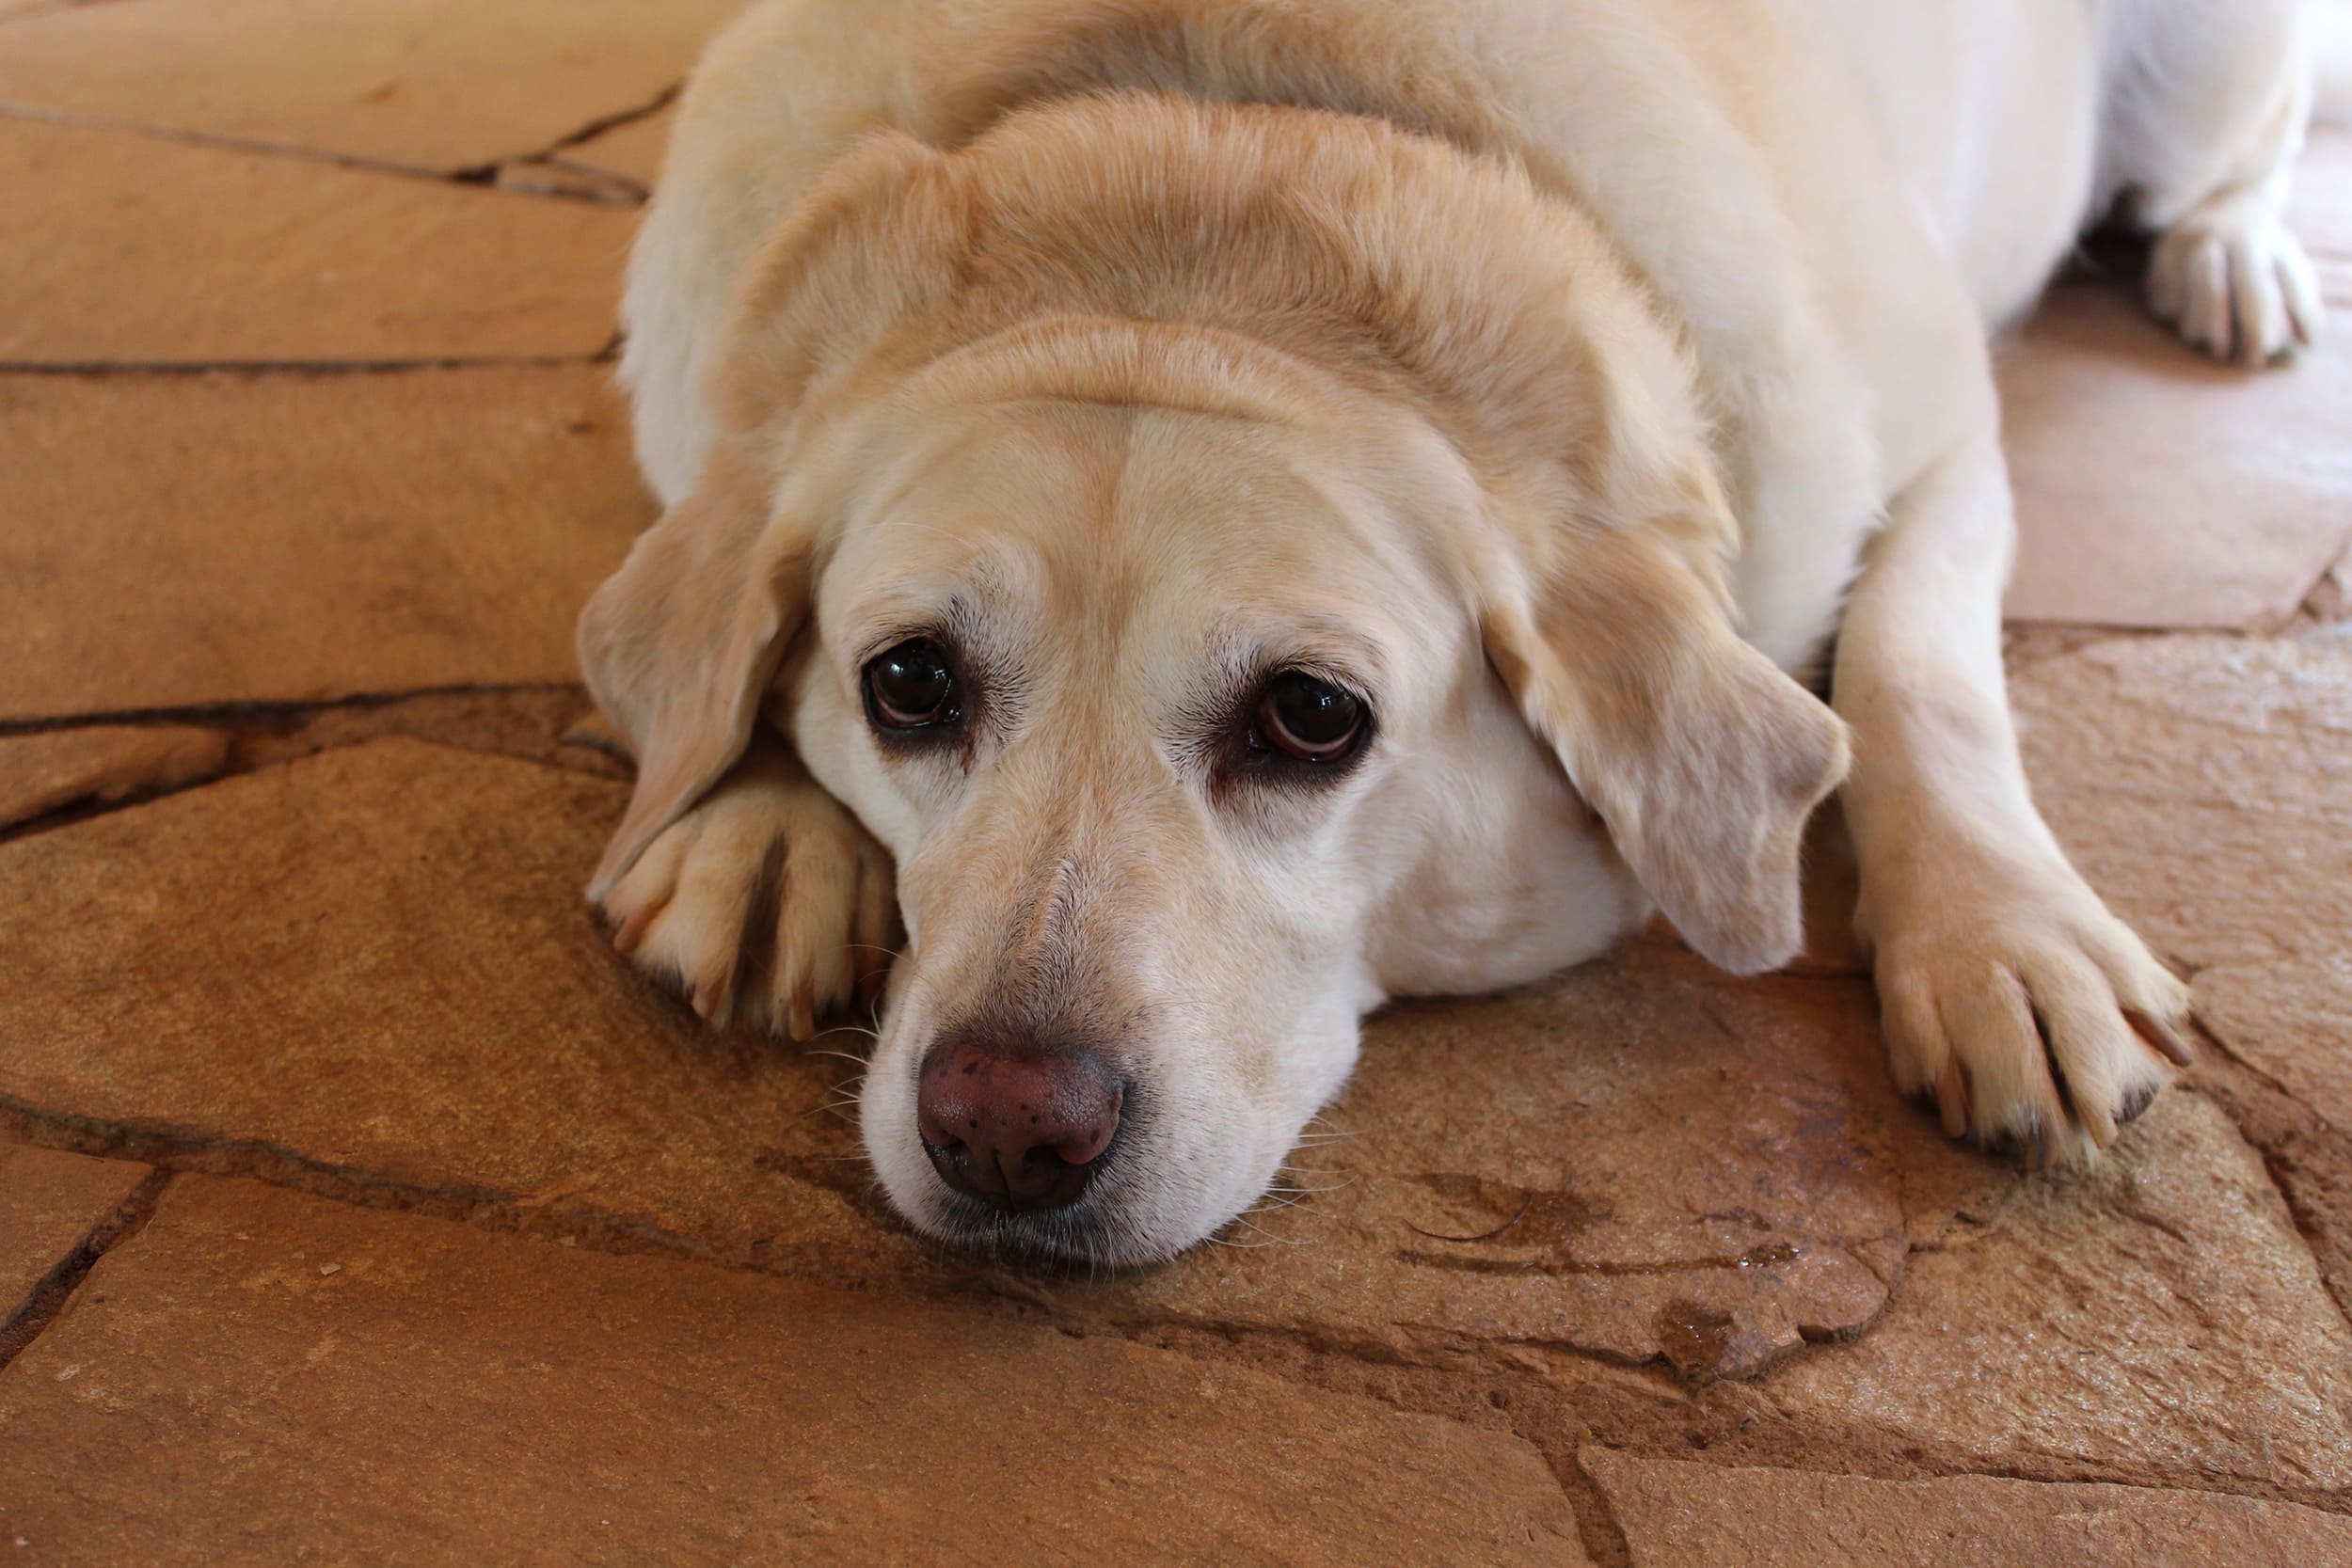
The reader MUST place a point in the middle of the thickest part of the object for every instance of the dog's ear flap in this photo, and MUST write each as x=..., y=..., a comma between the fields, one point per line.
x=680, y=644
x=1702, y=758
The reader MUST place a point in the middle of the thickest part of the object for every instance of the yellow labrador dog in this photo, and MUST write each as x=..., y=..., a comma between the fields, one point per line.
x=1246, y=508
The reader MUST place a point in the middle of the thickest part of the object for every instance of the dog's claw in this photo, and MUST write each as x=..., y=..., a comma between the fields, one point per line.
x=2162, y=1037
x=1952, y=1099
x=631, y=933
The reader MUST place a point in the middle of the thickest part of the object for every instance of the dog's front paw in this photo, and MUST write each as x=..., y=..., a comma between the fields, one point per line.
x=2233, y=281
x=768, y=901
x=2028, y=1012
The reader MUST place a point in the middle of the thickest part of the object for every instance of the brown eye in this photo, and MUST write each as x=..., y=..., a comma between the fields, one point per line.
x=1314, y=720
x=912, y=687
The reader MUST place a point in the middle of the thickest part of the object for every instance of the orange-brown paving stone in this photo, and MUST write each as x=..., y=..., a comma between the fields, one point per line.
x=444, y=85
x=53, y=1207
x=175, y=540
x=2155, y=488
x=1677, y=1515
x=270, y=1373
x=126, y=249
x=107, y=762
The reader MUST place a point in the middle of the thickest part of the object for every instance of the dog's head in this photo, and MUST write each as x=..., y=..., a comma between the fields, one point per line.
x=1217, y=652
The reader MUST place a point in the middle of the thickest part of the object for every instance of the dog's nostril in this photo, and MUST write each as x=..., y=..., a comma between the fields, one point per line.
x=1022, y=1126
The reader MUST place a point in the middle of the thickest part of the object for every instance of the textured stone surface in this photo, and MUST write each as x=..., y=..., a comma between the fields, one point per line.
x=1647, y=1160
x=173, y=539
x=378, y=1386
x=2205, y=785
x=101, y=762
x=141, y=250
x=376, y=963
x=2155, y=488
x=2157, y=1315
x=51, y=1204
x=1642, y=1160
x=1677, y=1515
x=444, y=85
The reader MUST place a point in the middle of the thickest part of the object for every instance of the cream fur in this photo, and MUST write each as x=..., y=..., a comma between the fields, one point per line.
x=1559, y=370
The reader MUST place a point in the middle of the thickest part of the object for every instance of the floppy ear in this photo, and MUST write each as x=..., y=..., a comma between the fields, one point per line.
x=679, y=644
x=1700, y=756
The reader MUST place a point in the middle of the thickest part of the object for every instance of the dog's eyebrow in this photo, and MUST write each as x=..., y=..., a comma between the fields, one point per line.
x=1322, y=644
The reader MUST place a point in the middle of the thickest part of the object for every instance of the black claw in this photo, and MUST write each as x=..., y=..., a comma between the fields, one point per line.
x=2136, y=1103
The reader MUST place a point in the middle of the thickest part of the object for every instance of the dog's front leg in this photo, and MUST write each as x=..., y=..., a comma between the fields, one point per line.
x=2006, y=988
x=765, y=899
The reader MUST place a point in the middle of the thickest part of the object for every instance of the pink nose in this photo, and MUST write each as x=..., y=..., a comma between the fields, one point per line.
x=1023, y=1128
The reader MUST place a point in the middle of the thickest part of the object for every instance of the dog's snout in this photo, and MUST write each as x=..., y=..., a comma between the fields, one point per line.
x=1020, y=1128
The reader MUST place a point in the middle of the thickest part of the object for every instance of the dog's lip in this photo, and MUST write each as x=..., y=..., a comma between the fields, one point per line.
x=1047, y=1239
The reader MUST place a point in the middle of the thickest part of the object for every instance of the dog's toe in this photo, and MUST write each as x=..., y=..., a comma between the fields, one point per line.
x=2235, y=282
x=767, y=901
x=2039, y=1025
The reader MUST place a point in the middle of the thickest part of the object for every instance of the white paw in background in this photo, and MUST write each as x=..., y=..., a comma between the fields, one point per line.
x=767, y=902
x=2027, y=1011
x=2233, y=281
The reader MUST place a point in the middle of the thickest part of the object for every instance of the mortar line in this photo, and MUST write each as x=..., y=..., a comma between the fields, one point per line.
x=48, y=1299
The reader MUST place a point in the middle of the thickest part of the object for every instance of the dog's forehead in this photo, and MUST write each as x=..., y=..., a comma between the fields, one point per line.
x=1168, y=523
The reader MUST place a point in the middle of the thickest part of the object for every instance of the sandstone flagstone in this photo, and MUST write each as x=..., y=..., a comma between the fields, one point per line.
x=175, y=540
x=122, y=248
x=2155, y=488
x=41, y=772
x=1676, y=1514
x=376, y=963
x=368, y=1385
x=444, y=85
x=2157, y=1314
x=52, y=1203
x=1643, y=1160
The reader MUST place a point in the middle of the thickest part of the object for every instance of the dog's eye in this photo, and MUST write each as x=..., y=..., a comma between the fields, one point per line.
x=1311, y=719
x=912, y=687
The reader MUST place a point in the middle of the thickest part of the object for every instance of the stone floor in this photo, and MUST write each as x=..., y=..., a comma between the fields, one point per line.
x=356, y=1204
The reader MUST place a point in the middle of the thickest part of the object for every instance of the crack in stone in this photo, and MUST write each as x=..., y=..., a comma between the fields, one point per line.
x=56, y=1288
x=603, y=355
x=1764, y=1257
x=478, y=176
x=612, y=121
x=232, y=713
x=181, y=1149
x=536, y=722
x=1597, y=1521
